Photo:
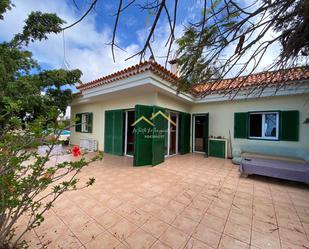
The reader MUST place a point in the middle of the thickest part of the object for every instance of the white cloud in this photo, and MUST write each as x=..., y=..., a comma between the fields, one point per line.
x=86, y=47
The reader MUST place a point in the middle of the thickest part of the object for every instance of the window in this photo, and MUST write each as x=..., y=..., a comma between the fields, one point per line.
x=264, y=125
x=85, y=122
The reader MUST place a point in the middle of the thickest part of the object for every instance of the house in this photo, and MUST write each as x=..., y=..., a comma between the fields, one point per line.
x=138, y=112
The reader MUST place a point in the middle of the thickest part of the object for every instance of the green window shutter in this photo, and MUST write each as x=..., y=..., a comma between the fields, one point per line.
x=114, y=132
x=118, y=132
x=143, y=136
x=89, y=122
x=78, y=124
x=240, y=125
x=158, y=141
x=184, y=133
x=108, y=132
x=289, y=125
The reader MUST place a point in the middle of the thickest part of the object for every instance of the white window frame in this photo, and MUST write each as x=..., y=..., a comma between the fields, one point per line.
x=84, y=125
x=126, y=131
x=263, y=137
x=168, y=133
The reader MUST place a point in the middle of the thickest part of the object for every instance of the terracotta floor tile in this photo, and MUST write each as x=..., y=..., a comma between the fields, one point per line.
x=264, y=227
x=238, y=232
x=228, y=242
x=155, y=226
x=140, y=240
x=196, y=244
x=293, y=236
x=138, y=217
x=265, y=241
x=185, y=224
x=125, y=209
x=174, y=238
x=175, y=206
x=193, y=213
x=61, y=239
x=182, y=188
x=108, y=219
x=123, y=229
x=160, y=245
x=213, y=222
x=207, y=235
x=87, y=231
x=104, y=240
x=165, y=215
x=289, y=245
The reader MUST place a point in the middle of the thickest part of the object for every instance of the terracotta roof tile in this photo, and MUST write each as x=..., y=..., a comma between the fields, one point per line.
x=258, y=80
x=130, y=71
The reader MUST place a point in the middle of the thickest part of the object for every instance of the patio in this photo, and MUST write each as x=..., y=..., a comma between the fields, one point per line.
x=187, y=202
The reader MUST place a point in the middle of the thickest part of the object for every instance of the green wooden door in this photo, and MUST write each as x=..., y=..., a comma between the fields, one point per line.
x=206, y=133
x=143, y=136
x=184, y=133
x=114, y=132
x=159, y=134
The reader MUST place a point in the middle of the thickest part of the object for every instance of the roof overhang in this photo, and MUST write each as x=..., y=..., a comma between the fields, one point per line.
x=147, y=81
x=133, y=85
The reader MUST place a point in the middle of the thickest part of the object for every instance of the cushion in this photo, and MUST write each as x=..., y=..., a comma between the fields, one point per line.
x=270, y=157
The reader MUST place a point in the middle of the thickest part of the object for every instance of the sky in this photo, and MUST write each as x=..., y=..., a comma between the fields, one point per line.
x=85, y=46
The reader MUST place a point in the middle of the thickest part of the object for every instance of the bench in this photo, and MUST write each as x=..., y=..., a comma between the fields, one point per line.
x=271, y=160
x=288, y=170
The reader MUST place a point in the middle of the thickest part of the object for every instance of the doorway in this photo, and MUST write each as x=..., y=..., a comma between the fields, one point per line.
x=200, y=131
x=129, y=133
x=171, y=138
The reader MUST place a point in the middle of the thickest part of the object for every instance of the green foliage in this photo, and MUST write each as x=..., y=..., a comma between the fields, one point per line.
x=38, y=26
x=293, y=25
x=31, y=182
x=198, y=38
x=4, y=6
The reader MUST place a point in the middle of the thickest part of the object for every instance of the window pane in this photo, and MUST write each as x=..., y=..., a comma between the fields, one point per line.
x=84, y=123
x=270, y=125
x=255, y=125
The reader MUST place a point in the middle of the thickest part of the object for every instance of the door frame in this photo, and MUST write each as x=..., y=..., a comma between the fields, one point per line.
x=168, y=133
x=126, y=131
x=193, y=131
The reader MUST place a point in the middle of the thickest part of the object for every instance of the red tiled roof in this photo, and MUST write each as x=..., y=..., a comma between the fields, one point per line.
x=130, y=71
x=258, y=80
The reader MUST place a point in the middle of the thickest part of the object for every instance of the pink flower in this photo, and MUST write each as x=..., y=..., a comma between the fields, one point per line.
x=76, y=151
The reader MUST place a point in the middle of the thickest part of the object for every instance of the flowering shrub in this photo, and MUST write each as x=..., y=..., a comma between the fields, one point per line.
x=76, y=151
x=31, y=182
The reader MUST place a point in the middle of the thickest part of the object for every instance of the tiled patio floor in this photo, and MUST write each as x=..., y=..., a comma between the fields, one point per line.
x=187, y=202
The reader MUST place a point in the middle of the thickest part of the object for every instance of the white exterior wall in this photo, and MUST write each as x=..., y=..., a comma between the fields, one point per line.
x=221, y=116
x=98, y=109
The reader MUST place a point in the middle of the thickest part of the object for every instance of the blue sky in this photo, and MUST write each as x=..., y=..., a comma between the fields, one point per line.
x=85, y=43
